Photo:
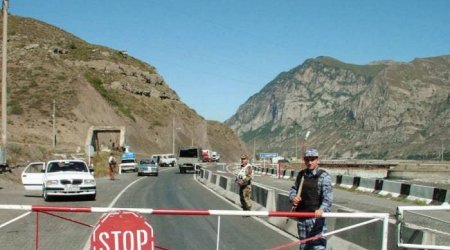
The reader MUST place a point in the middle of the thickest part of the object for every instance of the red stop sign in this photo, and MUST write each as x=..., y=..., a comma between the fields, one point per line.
x=122, y=230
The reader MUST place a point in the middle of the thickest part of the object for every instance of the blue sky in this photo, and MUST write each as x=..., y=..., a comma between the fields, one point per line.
x=217, y=53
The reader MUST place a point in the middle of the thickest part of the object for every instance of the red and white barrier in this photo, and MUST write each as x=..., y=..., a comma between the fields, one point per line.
x=40, y=208
x=192, y=212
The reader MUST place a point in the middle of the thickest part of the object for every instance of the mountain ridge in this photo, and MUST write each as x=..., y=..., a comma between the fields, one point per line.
x=353, y=111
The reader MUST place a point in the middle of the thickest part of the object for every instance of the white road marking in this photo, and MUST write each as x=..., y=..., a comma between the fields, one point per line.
x=13, y=220
x=267, y=224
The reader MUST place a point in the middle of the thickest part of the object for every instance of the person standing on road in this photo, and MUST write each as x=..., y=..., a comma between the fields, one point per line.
x=244, y=180
x=112, y=166
x=316, y=195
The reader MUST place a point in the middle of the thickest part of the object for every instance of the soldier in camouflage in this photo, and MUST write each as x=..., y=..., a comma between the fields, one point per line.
x=244, y=180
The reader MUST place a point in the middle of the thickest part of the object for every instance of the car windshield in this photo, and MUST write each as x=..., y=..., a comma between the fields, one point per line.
x=128, y=161
x=67, y=166
x=192, y=153
x=146, y=161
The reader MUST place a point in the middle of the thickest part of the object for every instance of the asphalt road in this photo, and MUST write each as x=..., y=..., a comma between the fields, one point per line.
x=53, y=233
x=170, y=190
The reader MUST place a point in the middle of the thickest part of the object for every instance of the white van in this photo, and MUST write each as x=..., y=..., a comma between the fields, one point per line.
x=165, y=160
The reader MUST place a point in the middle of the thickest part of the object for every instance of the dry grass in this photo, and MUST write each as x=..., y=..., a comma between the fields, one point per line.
x=100, y=162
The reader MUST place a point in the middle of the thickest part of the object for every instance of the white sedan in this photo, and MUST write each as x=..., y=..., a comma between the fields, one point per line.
x=60, y=178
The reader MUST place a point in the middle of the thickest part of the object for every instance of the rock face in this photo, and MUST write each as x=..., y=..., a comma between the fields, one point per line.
x=93, y=85
x=381, y=110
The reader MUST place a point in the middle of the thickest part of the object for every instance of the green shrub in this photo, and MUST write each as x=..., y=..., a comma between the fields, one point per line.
x=14, y=108
x=109, y=96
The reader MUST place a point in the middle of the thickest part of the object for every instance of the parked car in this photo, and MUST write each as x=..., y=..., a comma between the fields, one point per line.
x=148, y=166
x=60, y=178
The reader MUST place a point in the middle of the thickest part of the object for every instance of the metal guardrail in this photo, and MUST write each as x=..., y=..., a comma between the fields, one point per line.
x=401, y=224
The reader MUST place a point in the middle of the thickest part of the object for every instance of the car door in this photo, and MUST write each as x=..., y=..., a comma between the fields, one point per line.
x=32, y=176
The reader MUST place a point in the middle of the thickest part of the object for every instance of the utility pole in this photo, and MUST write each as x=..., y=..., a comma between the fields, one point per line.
x=173, y=136
x=54, y=124
x=254, y=150
x=304, y=147
x=296, y=143
x=4, y=73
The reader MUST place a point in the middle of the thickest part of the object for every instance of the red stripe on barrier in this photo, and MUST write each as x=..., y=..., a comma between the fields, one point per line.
x=68, y=219
x=180, y=212
x=39, y=208
x=296, y=243
x=291, y=214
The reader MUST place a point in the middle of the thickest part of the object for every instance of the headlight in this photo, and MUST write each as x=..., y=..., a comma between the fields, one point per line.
x=52, y=182
x=89, y=181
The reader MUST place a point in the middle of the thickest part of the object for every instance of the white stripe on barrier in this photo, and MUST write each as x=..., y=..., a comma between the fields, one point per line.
x=414, y=246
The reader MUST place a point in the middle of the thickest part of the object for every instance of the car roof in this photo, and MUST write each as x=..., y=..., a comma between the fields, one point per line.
x=66, y=160
x=162, y=155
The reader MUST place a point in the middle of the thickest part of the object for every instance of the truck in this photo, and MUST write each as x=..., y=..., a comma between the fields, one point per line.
x=128, y=162
x=206, y=155
x=189, y=158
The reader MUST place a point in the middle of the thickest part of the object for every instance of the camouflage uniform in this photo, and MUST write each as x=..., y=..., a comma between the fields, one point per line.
x=244, y=180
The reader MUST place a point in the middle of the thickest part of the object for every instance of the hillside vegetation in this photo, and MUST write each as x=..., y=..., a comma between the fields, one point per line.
x=93, y=85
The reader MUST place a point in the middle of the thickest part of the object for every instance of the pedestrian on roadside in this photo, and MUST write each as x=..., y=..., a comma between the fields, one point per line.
x=244, y=180
x=316, y=195
x=112, y=166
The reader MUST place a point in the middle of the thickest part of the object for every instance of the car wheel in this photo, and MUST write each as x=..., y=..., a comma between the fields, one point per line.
x=45, y=196
x=172, y=164
x=92, y=197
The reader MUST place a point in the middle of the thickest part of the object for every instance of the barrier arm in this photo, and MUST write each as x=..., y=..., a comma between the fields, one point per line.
x=192, y=212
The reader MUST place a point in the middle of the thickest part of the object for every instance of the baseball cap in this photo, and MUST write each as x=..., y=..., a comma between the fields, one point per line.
x=311, y=152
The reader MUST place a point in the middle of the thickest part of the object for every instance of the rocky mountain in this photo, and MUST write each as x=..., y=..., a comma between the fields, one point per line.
x=383, y=110
x=92, y=85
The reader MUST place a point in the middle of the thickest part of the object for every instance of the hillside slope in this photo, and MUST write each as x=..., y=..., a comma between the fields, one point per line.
x=93, y=85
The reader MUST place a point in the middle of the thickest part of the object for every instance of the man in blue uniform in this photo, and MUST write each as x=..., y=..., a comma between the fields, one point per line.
x=316, y=195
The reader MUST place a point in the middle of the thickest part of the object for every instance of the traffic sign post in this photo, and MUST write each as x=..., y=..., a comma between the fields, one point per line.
x=122, y=230
x=267, y=155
